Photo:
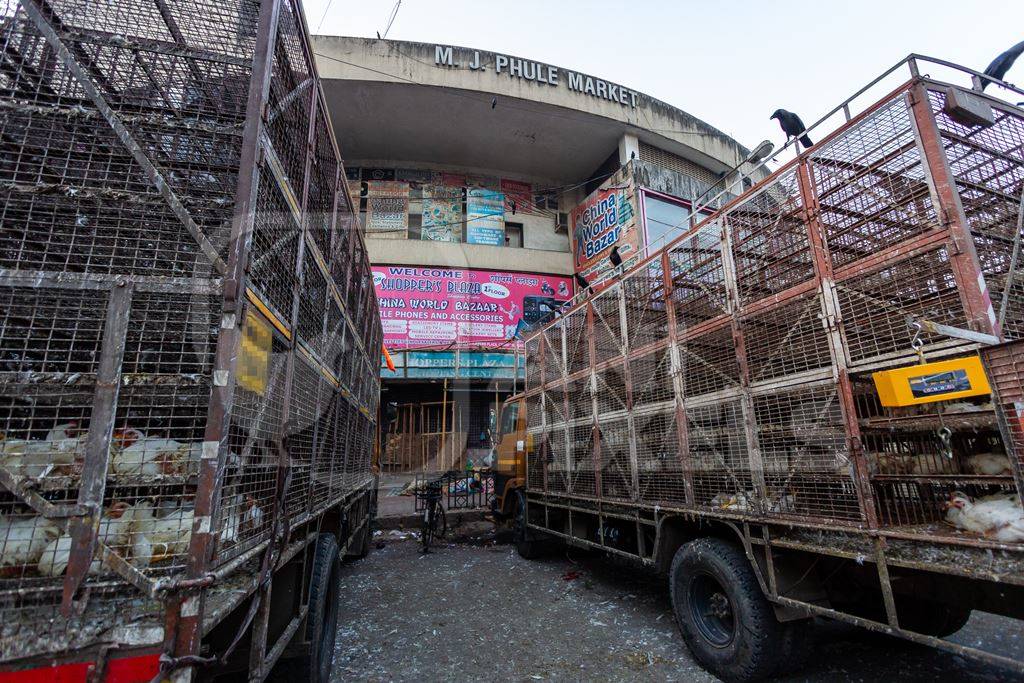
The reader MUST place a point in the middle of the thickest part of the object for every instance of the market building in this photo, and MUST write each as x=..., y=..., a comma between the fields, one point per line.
x=484, y=181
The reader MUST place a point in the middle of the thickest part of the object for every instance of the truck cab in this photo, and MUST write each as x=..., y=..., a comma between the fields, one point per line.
x=510, y=456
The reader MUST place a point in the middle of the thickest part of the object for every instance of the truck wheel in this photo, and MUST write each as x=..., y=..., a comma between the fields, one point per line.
x=528, y=547
x=797, y=646
x=322, y=618
x=930, y=618
x=724, y=618
x=360, y=546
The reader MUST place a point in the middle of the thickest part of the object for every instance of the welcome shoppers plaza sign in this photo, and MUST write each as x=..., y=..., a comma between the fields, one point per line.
x=524, y=69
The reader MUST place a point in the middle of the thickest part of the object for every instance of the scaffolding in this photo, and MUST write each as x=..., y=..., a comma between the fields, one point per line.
x=189, y=337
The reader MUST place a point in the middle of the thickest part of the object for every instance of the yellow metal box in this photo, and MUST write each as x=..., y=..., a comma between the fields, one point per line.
x=930, y=382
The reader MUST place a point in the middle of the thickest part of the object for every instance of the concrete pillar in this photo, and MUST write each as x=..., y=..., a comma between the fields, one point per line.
x=629, y=147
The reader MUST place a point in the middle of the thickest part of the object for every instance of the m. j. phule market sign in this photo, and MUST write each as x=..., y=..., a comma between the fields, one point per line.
x=540, y=73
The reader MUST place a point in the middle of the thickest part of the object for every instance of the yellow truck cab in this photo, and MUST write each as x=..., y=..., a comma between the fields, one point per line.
x=510, y=457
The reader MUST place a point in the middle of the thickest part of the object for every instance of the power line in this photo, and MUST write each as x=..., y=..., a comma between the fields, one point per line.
x=324, y=15
x=394, y=13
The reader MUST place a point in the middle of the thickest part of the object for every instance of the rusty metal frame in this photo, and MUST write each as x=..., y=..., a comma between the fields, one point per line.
x=678, y=410
x=84, y=530
x=971, y=284
x=830, y=312
x=183, y=624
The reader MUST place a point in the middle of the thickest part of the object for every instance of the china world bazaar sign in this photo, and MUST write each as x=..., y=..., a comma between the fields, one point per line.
x=439, y=307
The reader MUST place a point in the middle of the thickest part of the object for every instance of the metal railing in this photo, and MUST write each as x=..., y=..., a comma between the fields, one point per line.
x=470, y=489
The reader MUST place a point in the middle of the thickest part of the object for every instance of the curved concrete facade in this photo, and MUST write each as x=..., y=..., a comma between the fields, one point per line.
x=593, y=160
x=415, y=72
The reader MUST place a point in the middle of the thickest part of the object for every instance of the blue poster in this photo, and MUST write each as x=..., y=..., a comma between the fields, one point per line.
x=485, y=217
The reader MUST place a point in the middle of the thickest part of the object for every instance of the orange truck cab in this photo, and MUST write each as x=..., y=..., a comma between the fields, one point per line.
x=509, y=464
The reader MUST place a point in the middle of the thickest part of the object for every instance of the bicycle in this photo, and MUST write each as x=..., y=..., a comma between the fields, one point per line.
x=435, y=525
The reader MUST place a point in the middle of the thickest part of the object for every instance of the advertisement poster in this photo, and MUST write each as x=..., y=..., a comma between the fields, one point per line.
x=442, y=214
x=387, y=206
x=485, y=217
x=521, y=194
x=452, y=179
x=430, y=307
x=604, y=219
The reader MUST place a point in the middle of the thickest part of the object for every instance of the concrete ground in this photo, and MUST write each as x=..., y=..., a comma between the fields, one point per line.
x=476, y=611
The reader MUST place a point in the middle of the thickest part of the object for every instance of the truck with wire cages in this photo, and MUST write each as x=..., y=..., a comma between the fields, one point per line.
x=189, y=344
x=811, y=402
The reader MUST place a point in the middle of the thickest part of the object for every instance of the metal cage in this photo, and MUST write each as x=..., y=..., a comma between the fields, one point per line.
x=729, y=372
x=188, y=337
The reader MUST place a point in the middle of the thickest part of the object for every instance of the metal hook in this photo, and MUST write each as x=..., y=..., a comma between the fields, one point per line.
x=916, y=342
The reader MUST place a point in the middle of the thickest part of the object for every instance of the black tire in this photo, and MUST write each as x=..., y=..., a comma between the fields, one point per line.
x=528, y=547
x=435, y=527
x=322, y=618
x=440, y=522
x=728, y=624
x=797, y=646
x=360, y=546
x=930, y=618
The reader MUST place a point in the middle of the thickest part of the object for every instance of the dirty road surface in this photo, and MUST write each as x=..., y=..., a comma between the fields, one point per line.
x=476, y=611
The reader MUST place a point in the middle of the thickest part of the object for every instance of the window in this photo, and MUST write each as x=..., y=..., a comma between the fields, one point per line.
x=546, y=201
x=508, y=418
x=663, y=217
x=514, y=235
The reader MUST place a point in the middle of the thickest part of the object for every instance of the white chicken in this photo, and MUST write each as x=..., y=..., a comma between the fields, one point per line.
x=738, y=502
x=68, y=430
x=887, y=463
x=153, y=457
x=998, y=516
x=158, y=538
x=23, y=539
x=114, y=530
x=928, y=464
x=37, y=459
x=990, y=464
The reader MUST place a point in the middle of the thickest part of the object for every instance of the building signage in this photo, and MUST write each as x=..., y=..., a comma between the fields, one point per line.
x=430, y=307
x=442, y=214
x=524, y=69
x=387, y=206
x=518, y=196
x=604, y=219
x=485, y=217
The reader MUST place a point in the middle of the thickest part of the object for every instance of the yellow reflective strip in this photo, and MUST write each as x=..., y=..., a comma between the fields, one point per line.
x=267, y=313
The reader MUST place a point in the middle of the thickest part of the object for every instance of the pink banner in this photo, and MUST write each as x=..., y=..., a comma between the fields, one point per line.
x=463, y=307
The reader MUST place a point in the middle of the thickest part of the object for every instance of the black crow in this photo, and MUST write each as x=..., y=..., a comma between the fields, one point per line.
x=792, y=126
x=1001, y=64
x=614, y=256
x=581, y=282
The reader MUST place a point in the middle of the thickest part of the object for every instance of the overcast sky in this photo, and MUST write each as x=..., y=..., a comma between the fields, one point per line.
x=728, y=63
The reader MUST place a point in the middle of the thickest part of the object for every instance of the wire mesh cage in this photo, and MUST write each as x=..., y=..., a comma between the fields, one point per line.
x=188, y=339
x=730, y=371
